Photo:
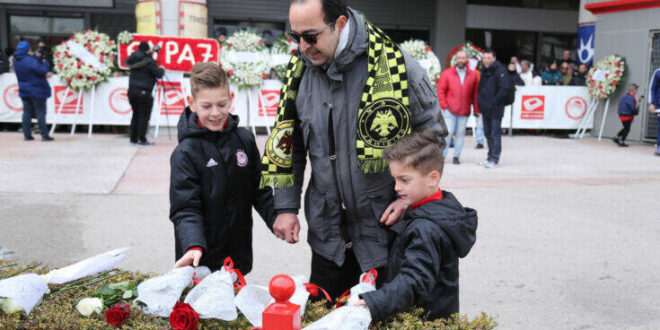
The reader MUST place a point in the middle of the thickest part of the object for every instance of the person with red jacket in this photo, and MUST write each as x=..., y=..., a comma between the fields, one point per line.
x=457, y=90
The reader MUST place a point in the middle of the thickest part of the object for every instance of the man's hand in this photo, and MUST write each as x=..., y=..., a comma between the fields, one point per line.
x=651, y=108
x=287, y=227
x=191, y=258
x=394, y=212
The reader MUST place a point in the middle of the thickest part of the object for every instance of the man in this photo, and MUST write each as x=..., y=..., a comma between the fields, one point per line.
x=526, y=73
x=345, y=100
x=654, y=104
x=493, y=94
x=567, y=57
x=457, y=91
x=144, y=73
x=33, y=88
x=566, y=71
x=580, y=78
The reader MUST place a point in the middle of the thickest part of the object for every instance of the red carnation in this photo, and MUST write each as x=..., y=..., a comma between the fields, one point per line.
x=183, y=317
x=117, y=315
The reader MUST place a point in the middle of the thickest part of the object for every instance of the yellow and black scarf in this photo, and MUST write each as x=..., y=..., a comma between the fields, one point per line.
x=383, y=115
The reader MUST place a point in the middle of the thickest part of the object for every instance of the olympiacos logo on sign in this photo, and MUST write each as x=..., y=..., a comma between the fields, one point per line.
x=12, y=99
x=269, y=102
x=171, y=97
x=576, y=108
x=533, y=107
x=69, y=100
x=118, y=101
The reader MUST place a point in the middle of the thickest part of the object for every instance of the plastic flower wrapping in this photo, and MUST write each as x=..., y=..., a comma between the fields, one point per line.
x=423, y=53
x=245, y=58
x=604, y=77
x=85, y=60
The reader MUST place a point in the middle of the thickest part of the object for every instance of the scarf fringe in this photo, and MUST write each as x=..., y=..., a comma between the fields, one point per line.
x=276, y=181
x=373, y=166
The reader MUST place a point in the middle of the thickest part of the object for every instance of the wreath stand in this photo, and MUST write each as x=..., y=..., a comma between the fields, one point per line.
x=77, y=111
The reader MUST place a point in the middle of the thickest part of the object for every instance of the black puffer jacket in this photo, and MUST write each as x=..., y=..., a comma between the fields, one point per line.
x=494, y=87
x=144, y=73
x=422, y=268
x=214, y=184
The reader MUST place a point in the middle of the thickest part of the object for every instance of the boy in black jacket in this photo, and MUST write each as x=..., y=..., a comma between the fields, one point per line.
x=215, y=178
x=422, y=269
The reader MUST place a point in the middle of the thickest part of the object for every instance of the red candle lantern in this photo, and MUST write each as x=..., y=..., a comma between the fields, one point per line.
x=282, y=314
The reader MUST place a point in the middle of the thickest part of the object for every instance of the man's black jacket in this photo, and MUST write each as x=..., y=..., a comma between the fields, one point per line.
x=494, y=87
x=422, y=269
x=213, y=186
x=144, y=73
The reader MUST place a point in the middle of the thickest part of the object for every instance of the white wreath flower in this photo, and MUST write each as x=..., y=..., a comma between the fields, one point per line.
x=81, y=75
x=423, y=53
x=604, y=77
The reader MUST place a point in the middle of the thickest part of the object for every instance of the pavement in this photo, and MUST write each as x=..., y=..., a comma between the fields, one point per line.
x=567, y=238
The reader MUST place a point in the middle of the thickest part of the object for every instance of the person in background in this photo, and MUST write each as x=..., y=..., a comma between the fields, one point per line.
x=526, y=73
x=9, y=52
x=516, y=62
x=457, y=92
x=628, y=109
x=4, y=63
x=144, y=74
x=654, y=104
x=551, y=76
x=514, y=76
x=567, y=56
x=494, y=87
x=44, y=52
x=580, y=77
x=33, y=88
x=566, y=74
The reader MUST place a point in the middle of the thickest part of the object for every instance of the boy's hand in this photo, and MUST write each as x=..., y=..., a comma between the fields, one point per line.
x=394, y=212
x=191, y=258
x=287, y=227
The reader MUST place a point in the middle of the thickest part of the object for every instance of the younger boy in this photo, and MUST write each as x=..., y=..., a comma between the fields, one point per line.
x=422, y=268
x=215, y=178
x=628, y=109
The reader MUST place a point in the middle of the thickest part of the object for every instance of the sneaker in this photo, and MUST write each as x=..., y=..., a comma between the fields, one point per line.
x=479, y=146
x=456, y=161
x=145, y=143
x=29, y=138
x=490, y=164
x=47, y=139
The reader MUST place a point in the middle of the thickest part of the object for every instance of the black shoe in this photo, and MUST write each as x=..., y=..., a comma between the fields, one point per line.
x=456, y=161
x=145, y=143
x=29, y=138
x=479, y=146
x=47, y=139
x=616, y=140
x=133, y=142
x=623, y=144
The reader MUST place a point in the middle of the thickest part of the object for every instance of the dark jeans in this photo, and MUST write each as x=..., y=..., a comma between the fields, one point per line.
x=493, y=132
x=657, y=141
x=335, y=279
x=623, y=133
x=141, y=103
x=34, y=108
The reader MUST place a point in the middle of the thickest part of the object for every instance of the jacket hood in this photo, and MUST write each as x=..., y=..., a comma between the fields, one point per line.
x=22, y=50
x=458, y=222
x=187, y=126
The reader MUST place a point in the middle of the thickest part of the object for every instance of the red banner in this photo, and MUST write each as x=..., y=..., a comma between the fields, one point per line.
x=171, y=97
x=176, y=54
x=533, y=107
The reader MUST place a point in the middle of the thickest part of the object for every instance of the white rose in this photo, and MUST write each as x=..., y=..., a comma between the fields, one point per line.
x=9, y=307
x=88, y=306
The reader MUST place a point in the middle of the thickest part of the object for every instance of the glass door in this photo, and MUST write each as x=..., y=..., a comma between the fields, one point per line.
x=651, y=122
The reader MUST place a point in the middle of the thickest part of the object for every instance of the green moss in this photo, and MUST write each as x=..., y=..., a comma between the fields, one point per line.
x=57, y=310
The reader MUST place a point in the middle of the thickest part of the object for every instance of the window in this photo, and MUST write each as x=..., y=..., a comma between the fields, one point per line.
x=45, y=25
x=538, y=4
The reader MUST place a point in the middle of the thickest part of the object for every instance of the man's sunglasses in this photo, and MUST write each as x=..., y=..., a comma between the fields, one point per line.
x=311, y=38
